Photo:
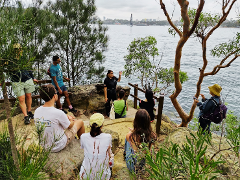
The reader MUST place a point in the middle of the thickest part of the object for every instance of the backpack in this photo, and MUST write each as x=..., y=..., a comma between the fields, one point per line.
x=218, y=114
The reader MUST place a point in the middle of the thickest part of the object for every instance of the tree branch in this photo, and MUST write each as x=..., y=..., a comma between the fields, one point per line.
x=169, y=19
x=220, y=66
x=198, y=13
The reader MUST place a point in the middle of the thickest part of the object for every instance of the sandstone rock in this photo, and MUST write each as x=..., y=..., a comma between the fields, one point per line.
x=66, y=163
x=115, y=138
x=90, y=97
x=165, y=128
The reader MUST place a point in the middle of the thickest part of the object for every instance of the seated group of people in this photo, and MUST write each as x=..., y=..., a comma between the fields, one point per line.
x=60, y=129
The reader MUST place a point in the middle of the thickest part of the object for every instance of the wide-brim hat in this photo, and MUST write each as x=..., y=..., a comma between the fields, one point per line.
x=215, y=89
x=97, y=118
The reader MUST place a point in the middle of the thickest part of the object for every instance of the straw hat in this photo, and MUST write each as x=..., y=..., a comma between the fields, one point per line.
x=96, y=118
x=215, y=89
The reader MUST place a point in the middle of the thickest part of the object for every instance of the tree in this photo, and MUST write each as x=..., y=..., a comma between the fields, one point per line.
x=201, y=25
x=39, y=29
x=11, y=26
x=142, y=62
x=81, y=37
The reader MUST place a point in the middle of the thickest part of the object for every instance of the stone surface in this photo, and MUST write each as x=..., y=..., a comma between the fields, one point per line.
x=66, y=163
x=115, y=138
x=90, y=97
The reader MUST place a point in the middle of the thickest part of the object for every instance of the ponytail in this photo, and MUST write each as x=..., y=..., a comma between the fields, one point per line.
x=95, y=130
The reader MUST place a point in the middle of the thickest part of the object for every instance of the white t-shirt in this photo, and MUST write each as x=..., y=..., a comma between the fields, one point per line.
x=55, y=122
x=96, y=157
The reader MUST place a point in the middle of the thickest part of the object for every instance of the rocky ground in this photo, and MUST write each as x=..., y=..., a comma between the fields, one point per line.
x=71, y=157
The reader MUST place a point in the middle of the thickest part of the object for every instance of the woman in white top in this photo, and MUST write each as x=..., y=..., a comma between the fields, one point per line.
x=98, y=157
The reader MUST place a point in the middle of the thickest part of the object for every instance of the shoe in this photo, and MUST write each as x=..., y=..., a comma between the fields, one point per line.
x=27, y=120
x=72, y=110
x=31, y=115
x=75, y=112
x=64, y=111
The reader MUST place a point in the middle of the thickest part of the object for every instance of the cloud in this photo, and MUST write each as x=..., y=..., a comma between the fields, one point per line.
x=151, y=9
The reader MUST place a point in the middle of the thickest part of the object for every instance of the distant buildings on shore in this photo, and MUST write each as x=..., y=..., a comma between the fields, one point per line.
x=157, y=22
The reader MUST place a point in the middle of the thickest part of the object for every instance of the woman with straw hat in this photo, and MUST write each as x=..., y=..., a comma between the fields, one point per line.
x=208, y=106
x=98, y=156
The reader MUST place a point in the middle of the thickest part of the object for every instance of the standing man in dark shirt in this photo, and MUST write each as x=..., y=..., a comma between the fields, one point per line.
x=23, y=86
x=110, y=84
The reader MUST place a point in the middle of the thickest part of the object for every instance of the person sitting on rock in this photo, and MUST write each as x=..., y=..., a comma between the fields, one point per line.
x=148, y=104
x=120, y=105
x=59, y=128
x=57, y=81
x=141, y=132
x=98, y=157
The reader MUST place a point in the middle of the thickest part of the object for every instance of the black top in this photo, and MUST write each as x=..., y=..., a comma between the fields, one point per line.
x=110, y=83
x=21, y=76
x=149, y=107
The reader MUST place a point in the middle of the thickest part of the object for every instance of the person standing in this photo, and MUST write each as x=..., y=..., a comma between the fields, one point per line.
x=208, y=106
x=59, y=128
x=110, y=84
x=57, y=81
x=22, y=84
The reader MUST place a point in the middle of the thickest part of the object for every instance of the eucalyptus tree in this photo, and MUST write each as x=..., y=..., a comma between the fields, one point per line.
x=142, y=61
x=39, y=21
x=12, y=25
x=81, y=39
x=201, y=25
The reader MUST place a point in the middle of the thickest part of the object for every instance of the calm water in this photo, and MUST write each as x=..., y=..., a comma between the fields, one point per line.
x=121, y=36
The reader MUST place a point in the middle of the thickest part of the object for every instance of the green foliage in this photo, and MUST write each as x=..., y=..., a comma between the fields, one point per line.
x=224, y=49
x=7, y=167
x=232, y=127
x=32, y=161
x=182, y=162
x=141, y=62
x=81, y=39
x=205, y=22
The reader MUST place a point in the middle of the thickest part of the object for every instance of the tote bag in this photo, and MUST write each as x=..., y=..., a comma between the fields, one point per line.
x=112, y=112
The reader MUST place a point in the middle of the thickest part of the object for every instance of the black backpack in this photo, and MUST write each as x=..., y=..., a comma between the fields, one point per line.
x=218, y=114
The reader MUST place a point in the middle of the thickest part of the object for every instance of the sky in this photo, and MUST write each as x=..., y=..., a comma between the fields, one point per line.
x=150, y=9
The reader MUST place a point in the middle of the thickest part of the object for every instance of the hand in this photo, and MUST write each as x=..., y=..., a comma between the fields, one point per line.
x=71, y=118
x=106, y=99
x=120, y=73
x=60, y=91
x=196, y=101
x=131, y=129
x=203, y=97
x=67, y=79
x=35, y=80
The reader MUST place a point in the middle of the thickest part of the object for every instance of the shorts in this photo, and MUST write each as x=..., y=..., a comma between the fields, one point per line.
x=21, y=88
x=70, y=133
x=63, y=88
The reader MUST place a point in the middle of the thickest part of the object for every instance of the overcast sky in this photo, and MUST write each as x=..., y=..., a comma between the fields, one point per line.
x=150, y=9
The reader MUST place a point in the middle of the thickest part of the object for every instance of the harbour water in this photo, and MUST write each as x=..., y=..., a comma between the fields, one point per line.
x=121, y=36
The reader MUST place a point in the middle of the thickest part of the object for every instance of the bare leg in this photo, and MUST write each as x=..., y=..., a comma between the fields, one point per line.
x=80, y=126
x=23, y=104
x=59, y=106
x=29, y=101
x=67, y=98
